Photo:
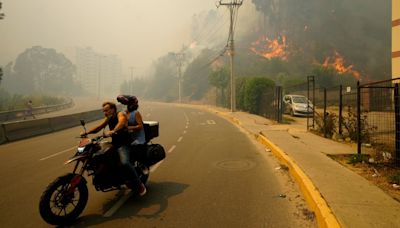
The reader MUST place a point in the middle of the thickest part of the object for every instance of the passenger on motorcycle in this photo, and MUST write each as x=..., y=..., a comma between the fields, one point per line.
x=135, y=125
x=117, y=123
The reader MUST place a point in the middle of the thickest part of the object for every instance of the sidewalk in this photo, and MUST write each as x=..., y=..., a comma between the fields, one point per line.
x=349, y=197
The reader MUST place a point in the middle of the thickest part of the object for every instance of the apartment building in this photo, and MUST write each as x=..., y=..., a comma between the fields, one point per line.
x=100, y=75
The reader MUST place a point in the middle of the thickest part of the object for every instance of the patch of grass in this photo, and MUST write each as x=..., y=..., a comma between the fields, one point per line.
x=357, y=158
x=395, y=178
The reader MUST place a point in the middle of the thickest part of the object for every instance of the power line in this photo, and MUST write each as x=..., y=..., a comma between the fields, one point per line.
x=233, y=7
x=211, y=31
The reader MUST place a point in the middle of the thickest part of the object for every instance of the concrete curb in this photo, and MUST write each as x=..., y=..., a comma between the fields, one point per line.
x=324, y=215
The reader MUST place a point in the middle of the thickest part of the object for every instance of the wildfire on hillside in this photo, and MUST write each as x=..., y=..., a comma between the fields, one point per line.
x=276, y=48
x=217, y=64
x=337, y=62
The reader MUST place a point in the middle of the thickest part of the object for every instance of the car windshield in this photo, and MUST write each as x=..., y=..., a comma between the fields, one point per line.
x=302, y=100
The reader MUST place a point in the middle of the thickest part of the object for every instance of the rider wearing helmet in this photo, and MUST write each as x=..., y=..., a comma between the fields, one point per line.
x=135, y=122
x=135, y=126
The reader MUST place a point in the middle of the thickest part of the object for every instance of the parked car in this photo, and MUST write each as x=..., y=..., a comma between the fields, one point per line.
x=296, y=105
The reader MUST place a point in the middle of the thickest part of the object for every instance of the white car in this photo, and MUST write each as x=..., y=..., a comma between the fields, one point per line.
x=296, y=105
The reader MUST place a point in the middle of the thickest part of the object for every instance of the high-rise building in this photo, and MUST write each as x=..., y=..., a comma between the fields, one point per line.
x=99, y=74
x=395, y=38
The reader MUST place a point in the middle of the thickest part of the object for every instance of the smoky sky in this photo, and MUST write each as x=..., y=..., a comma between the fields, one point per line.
x=136, y=31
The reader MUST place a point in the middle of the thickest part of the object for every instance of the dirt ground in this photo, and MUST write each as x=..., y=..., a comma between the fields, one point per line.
x=379, y=174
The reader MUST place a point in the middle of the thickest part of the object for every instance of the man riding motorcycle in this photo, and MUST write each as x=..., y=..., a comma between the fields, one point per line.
x=117, y=123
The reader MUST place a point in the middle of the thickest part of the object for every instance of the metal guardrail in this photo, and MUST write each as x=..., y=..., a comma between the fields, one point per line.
x=20, y=113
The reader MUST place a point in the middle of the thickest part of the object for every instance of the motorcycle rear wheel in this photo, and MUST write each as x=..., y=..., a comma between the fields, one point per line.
x=57, y=206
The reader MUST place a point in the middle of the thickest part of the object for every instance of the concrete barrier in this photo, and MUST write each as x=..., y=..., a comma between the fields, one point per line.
x=25, y=129
x=92, y=115
x=63, y=122
x=14, y=131
x=3, y=137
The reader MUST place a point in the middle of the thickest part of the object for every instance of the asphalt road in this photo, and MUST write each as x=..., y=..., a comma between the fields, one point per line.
x=214, y=175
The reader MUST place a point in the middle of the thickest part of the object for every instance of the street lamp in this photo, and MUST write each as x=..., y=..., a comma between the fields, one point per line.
x=1, y=14
x=131, y=81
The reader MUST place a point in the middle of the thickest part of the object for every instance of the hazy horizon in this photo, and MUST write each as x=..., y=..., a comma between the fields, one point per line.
x=136, y=31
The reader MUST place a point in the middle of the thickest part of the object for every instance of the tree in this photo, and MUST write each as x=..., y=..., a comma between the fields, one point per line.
x=164, y=83
x=41, y=70
x=195, y=77
x=253, y=90
x=1, y=74
x=219, y=79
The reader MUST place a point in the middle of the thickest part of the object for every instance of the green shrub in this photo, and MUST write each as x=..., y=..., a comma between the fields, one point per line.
x=395, y=178
x=350, y=124
x=357, y=158
x=251, y=91
x=330, y=124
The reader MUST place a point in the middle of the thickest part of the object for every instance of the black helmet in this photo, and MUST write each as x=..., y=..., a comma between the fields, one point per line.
x=130, y=101
x=127, y=99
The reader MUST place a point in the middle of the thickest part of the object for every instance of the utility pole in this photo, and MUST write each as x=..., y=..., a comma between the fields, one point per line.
x=98, y=79
x=233, y=7
x=131, y=81
x=179, y=63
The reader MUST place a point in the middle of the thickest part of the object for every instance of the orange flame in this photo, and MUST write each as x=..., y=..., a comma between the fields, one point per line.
x=338, y=65
x=270, y=48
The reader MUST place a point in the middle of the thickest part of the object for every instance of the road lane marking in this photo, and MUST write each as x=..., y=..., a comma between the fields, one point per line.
x=58, y=153
x=117, y=205
x=184, y=132
x=186, y=127
x=123, y=199
x=154, y=167
x=171, y=149
x=211, y=122
x=180, y=139
x=186, y=117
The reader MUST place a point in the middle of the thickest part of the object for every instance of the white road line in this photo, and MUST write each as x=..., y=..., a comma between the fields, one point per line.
x=116, y=206
x=186, y=117
x=154, y=167
x=171, y=149
x=211, y=122
x=123, y=199
x=58, y=153
x=186, y=127
x=184, y=132
x=180, y=139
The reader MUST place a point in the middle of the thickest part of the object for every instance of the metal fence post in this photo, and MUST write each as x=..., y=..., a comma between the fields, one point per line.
x=313, y=115
x=279, y=103
x=340, y=109
x=325, y=114
x=308, y=97
x=358, y=118
x=397, y=121
x=310, y=79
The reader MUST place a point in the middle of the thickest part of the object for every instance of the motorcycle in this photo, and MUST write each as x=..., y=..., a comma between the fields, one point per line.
x=66, y=197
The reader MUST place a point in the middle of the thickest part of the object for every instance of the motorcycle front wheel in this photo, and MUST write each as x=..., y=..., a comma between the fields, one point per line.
x=58, y=205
